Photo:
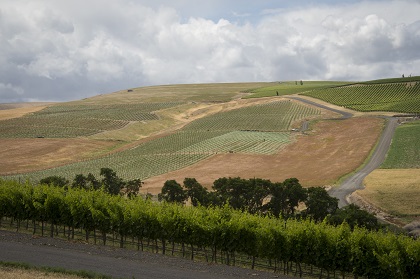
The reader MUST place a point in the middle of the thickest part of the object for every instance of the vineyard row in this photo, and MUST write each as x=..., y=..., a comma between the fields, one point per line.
x=360, y=252
x=395, y=97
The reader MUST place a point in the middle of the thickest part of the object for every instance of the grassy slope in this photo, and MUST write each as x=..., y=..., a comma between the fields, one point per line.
x=390, y=95
x=395, y=188
x=194, y=95
x=199, y=140
x=287, y=88
x=405, y=148
x=395, y=191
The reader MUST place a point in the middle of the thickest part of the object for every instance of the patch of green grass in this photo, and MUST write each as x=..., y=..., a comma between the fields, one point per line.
x=291, y=87
x=405, y=148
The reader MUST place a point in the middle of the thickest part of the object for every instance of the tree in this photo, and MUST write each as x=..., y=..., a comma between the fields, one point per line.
x=196, y=192
x=258, y=190
x=354, y=216
x=112, y=183
x=172, y=192
x=93, y=182
x=80, y=182
x=242, y=194
x=55, y=180
x=285, y=197
x=132, y=187
x=319, y=204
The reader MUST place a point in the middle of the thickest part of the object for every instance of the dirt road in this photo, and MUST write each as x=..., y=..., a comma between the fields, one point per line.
x=115, y=262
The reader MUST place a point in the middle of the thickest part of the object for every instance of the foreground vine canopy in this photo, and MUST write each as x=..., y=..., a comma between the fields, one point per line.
x=359, y=252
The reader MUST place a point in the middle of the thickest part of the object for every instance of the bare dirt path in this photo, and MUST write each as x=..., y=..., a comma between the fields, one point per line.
x=115, y=262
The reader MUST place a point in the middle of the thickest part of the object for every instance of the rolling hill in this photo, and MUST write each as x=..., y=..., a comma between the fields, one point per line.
x=208, y=130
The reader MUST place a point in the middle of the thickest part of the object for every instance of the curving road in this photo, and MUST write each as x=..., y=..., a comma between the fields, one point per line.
x=355, y=181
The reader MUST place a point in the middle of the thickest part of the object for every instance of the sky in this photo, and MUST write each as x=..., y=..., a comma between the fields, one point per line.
x=68, y=50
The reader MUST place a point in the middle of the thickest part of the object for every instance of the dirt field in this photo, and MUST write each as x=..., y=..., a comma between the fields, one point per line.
x=395, y=191
x=13, y=273
x=24, y=155
x=330, y=150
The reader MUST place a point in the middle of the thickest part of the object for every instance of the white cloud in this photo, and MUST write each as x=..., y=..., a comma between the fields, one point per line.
x=54, y=50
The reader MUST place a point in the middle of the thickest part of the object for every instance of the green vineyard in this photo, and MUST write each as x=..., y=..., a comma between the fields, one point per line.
x=358, y=253
x=287, y=88
x=262, y=129
x=68, y=121
x=404, y=152
x=393, y=97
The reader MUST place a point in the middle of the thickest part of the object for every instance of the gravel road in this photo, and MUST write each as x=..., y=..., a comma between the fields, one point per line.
x=115, y=262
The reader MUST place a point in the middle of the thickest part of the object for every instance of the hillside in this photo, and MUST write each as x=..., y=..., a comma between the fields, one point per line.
x=204, y=130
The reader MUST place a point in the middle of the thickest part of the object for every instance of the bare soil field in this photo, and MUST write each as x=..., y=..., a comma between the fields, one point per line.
x=25, y=155
x=394, y=190
x=330, y=150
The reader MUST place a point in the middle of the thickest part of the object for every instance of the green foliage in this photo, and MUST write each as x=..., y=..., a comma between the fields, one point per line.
x=88, y=182
x=55, y=180
x=172, y=191
x=363, y=253
x=242, y=194
x=404, y=152
x=285, y=197
x=394, y=97
x=111, y=182
x=354, y=216
x=319, y=204
x=196, y=192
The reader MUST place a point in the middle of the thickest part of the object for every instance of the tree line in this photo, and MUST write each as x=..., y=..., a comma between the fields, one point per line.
x=110, y=182
x=255, y=196
x=263, y=197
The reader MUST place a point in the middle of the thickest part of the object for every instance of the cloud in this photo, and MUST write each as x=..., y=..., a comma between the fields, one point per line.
x=54, y=50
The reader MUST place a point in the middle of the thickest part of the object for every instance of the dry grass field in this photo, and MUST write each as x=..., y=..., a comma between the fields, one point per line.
x=14, y=273
x=329, y=151
x=18, y=111
x=25, y=155
x=396, y=191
